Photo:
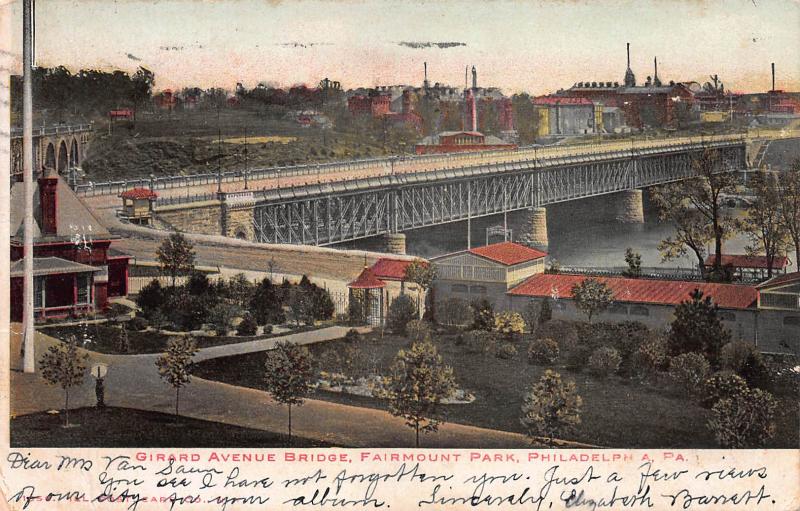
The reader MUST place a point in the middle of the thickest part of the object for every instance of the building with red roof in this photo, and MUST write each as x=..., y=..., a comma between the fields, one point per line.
x=747, y=267
x=137, y=205
x=485, y=272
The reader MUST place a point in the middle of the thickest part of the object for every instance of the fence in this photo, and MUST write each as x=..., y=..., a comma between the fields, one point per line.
x=53, y=130
x=654, y=272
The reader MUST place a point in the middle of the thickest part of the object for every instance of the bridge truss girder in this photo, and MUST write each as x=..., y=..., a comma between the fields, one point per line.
x=329, y=218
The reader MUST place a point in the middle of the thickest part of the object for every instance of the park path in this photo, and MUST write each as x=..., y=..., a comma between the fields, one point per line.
x=133, y=382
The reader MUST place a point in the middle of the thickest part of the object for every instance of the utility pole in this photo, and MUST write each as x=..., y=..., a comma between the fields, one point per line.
x=245, y=159
x=219, y=153
x=28, y=362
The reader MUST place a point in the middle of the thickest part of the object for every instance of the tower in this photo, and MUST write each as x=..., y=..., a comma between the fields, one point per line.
x=474, y=78
x=656, y=80
x=630, y=78
x=472, y=112
x=426, y=84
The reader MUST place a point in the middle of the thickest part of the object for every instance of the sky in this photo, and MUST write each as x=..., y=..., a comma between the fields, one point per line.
x=522, y=45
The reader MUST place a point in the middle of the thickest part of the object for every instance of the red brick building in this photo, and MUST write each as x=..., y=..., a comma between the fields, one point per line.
x=75, y=268
x=373, y=104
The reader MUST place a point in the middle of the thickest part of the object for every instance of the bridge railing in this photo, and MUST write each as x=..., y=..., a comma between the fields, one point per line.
x=54, y=130
x=401, y=165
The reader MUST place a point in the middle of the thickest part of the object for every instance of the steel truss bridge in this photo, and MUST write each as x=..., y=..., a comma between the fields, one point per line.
x=323, y=214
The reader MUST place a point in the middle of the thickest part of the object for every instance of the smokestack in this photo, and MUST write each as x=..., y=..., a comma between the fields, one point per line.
x=655, y=63
x=629, y=55
x=773, y=76
x=426, y=70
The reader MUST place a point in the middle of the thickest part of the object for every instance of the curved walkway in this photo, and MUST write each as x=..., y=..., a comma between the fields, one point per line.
x=133, y=382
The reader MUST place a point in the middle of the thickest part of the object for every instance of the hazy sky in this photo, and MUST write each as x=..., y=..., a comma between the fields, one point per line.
x=537, y=46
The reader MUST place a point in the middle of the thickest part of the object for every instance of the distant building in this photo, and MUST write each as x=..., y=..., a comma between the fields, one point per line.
x=745, y=267
x=565, y=116
x=373, y=104
x=75, y=268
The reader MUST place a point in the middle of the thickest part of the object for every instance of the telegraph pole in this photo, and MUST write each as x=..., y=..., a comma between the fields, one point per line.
x=28, y=362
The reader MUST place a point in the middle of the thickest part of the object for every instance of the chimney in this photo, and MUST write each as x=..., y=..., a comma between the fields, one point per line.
x=773, y=76
x=655, y=65
x=629, y=55
x=474, y=78
x=472, y=113
x=48, y=203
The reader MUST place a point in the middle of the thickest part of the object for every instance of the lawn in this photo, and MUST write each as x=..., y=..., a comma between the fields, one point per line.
x=105, y=338
x=124, y=427
x=617, y=412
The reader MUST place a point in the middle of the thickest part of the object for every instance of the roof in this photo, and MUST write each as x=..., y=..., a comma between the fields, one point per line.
x=451, y=133
x=665, y=89
x=51, y=266
x=507, y=253
x=367, y=280
x=746, y=261
x=658, y=292
x=780, y=280
x=139, y=193
x=391, y=269
x=564, y=101
x=71, y=212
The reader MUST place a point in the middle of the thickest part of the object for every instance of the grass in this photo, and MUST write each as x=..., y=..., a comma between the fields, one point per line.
x=124, y=427
x=617, y=412
x=104, y=338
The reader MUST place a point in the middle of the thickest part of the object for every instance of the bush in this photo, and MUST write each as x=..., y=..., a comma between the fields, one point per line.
x=689, y=370
x=151, y=298
x=542, y=351
x=733, y=355
x=564, y=332
x=352, y=335
x=509, y=323
x=506, y=351
x=756, y=372
x=545, y=311
x=266, y=330
x=651, y=355
x=482, y=315
x=136, y=323
x=454, y=312
x=401, y=311
x=531, y=314
x=418, y=329
x=604, y=361
x=220, y=317
x=552, y=407
x=745, y=420
x=247, y=326
x=123, y=342
x=478, y=341
x=578, y=357
x=722, y=385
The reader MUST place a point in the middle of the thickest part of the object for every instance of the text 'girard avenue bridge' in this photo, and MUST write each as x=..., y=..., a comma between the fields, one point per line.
x=389, y=196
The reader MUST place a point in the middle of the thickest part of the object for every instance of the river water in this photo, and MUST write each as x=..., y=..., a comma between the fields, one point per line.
x=578, y=241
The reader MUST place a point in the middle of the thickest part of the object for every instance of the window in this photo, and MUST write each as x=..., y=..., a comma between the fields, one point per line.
x=791, y=321
x=38, y=287
x=458, y=288
x=83, y=288
x=479, y=290
x=727, y=316
x=639, y=310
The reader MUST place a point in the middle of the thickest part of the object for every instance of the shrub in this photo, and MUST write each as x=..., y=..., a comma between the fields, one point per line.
x=220, y=317
x=509, y=323
x=543, y=351
x=418, y=329
x=247, y=326
x=352, y=335
x=578, y=357
x=604, y=361
x=756, y=372
x=689, y=370
x=478, y=341
x=267, y=329
x=650, y=356
x=401, y=311
x=564, y=332
x=545, y=311
x=482, y=315
x=136, y=323
x=722, y=385
x=151, y=298
x=531, y=314
x=733, y=355
x=744, y=420
x=266, y=303
x=454, y=312
x=697, y=327
x=506, y=351
x=123, y=343
x=552, y=407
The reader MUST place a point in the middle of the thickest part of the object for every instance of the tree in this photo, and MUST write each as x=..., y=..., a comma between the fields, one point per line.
x=300, y=305
x=176, y=256
x=531, y=314
x=221, y=317
x=173, y=365
x=418, y=383
x=695, y=207
x=552, y=407
x=482, y=315
x=401, y=311
x=265, y=304
x=151, y=298
x=634, y=261
x=288, y=375
x=545, y=312
x=62, y=365
x=789, y=205
x=240, y=290
x=422, y=274
x=592, y=297
x=697, y=328
x=764, y=223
